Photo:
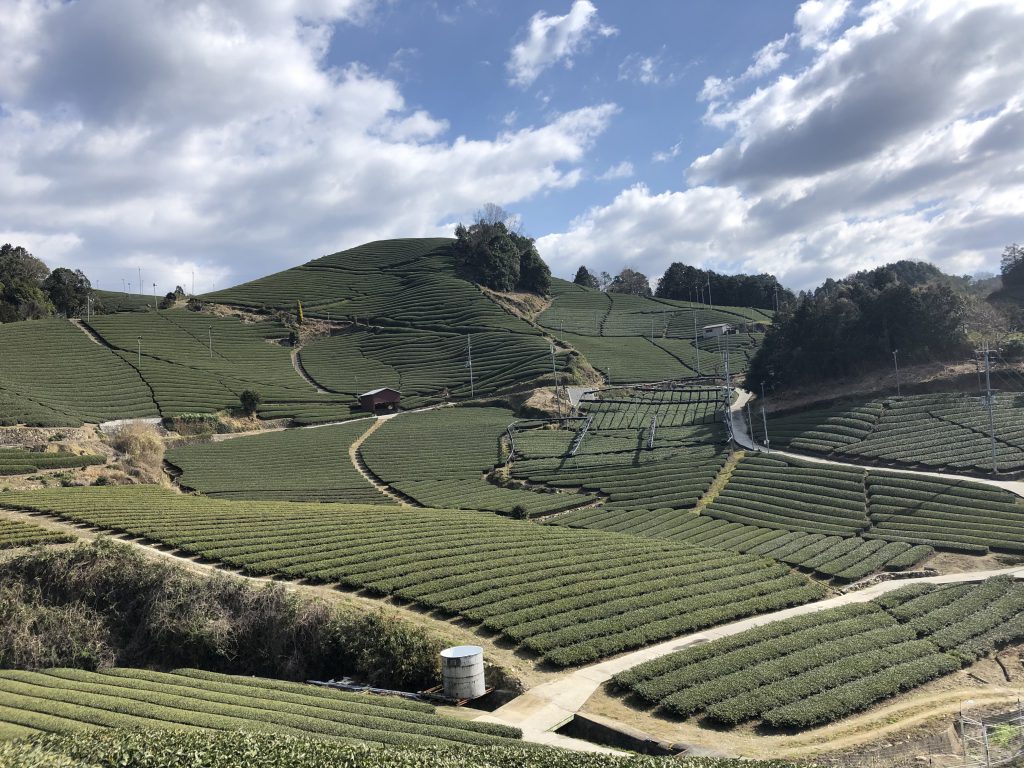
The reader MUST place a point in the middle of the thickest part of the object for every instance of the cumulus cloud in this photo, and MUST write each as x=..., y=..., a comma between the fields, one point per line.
x=817, y=19
x=902, y=138
x=553, y=39
x=215, y=137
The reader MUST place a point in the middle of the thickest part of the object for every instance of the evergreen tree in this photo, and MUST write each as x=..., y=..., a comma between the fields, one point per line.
x=586, y=279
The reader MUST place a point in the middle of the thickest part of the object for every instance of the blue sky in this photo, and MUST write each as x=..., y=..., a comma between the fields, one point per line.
x=234, y=138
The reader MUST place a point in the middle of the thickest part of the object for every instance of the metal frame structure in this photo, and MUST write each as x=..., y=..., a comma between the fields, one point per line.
x=992, y=740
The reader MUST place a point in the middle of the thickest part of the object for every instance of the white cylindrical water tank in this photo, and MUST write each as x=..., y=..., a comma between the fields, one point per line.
x=462, y=672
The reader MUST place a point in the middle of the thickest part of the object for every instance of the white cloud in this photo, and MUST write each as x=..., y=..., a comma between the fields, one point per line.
x=902, y=138
x=643, y=69
x=621, y=170
x=817, y=19
x=551, y=39
x=664, y=155
x=215, y=136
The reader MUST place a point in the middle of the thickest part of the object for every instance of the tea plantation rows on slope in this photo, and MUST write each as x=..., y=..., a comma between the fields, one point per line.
x=635, y=338
x=52, y=374
x=164, y=748
x=837, y=521
x=422, y=364
x=571, y=596
x=70, y=700
x=14, y=533
x=20, y=462
x=933, y=431
x=405, y=283
x=821, y=667
x=294, y=465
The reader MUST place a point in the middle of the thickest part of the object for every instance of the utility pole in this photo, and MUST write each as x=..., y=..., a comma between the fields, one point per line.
x=155, y=305
x=764, y=421
x=990, y=401
x=209, y=330
x=193, y=283
x=710, y=303
x=469, y=348
x=896, y=364
x=554, y=375
x=728, y=392
x=696, y=349
x=141, y=289
x=750, y=424
x=140, y=353
x=123, y=289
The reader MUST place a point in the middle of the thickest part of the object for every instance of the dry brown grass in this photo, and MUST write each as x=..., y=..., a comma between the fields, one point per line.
x=140, y=451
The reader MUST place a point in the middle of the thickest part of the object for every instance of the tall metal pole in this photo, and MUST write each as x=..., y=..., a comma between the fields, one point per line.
x=728, y=391
x=764, y=422
x=710, y=303
x=193, y=283
x=696, y=349
x=123, y=289
x=554, y=375
x=990, y=398
x=750, y=423
x=896, y=364
x=469, y=347
x=210, y=332
x=141, y=289
x=140, y=353
x=155, y=305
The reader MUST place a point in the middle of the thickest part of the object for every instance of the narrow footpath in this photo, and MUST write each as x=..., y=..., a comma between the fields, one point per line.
x=360, y=465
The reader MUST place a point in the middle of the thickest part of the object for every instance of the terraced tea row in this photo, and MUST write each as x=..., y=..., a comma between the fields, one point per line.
x=427, y=366
x=163, y=749
x=941, y=431
x=14, y=533
x=847, y=559
x=403, y=283
x=439, y=458
x=821, y=667
x=201, y=363
x=571, y=596
x=74, y=700
x=840, y=522
x=294, y=465
x=20, y=462
x=52, y=374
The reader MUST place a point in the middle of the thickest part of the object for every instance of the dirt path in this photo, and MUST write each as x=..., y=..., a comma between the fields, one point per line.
x=299, y=369
x=357, y=461
x=92, y=336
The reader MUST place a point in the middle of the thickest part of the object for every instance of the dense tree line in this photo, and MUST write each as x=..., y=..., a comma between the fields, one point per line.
x=853, y=325
x=492, y=253
x=1012, y=265
x=30, y=291
x=686, y=283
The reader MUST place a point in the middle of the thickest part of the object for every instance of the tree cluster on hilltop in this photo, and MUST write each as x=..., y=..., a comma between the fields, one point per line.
x=686, y=283
x=492, y=253
x=1012, y=265
x=30, y=291
x=855, y=324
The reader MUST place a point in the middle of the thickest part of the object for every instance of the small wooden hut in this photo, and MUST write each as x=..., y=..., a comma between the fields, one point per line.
x=384, y=398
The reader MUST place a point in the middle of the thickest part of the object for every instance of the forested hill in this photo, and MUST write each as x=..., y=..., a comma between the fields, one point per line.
x=855, y=324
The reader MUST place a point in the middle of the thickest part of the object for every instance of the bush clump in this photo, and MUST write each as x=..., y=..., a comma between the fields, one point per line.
x=104, y=604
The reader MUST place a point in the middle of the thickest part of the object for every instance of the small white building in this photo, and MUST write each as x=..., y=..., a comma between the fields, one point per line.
x=716, y=329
